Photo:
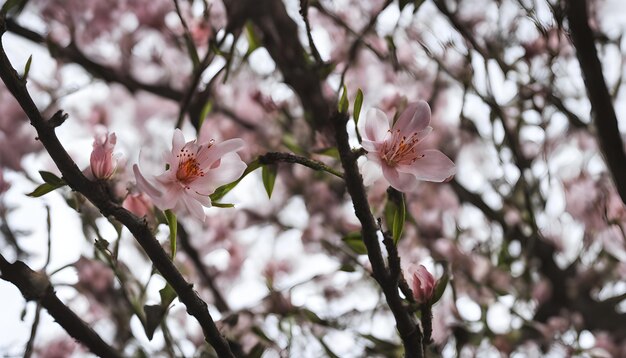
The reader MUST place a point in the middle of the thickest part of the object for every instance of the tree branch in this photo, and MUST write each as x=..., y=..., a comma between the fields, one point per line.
x=605, y=118
x=275, y=157
x=98, y=195
x=409, y=331
x=35, y=286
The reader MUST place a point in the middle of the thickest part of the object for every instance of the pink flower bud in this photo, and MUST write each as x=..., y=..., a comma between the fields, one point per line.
x=102, y=162
x=423, y=285
x=138, y=204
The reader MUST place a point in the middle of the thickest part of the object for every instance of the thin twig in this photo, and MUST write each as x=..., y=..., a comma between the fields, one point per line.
x=275, y=157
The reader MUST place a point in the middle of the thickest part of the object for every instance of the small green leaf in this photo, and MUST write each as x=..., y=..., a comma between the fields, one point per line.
x=440, y=288
x=173, y=224
x=51, y=178
x=403, y=3
x=354, y=241
x=154, y=316
x=253, y=39
x=168, y=295
x=43, y=189
x=399, y=218
x=290, y=142
x=332, y=152
x=27, y=68
x=223, y=205
x=156, y=313
x=358, y=103
x=193, y=53
x=208, y=107
x=224, y=189
x=343, y=102
x=268, y=173
x=416, y=5
x=9, y=5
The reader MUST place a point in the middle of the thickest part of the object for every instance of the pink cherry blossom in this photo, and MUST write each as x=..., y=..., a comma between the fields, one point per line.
x=399, y=151
x=102, y=161
x=423, y=285
x=194, y=172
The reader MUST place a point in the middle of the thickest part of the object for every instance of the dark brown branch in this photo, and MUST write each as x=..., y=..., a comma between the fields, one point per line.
x=594, y=312
x=275, y=157
x=98, y=195
x=280, y=38
x=605, y=118
x=35, y=286
x=409, y=331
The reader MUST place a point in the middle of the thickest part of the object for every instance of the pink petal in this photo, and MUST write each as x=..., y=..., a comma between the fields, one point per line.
x=433, y=166
x=193, y=207
x=374, y=126
x=404, y=182
x=415, y=117
x=144, y=185
x=178, y=141
x=230, y=169
x=208, y=156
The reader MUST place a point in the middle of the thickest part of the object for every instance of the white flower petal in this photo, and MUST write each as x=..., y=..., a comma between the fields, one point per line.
x=370, y=171
x=374, y=126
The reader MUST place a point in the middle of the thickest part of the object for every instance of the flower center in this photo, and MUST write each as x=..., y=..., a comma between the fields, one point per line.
x=188, y=167
x=400, y=149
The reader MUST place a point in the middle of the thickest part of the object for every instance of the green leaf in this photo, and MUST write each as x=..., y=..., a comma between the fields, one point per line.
x=224, y=189
x=43, y=189
x=154, y=316
x=208, y=107
x=168, y=295
x=193, y=53
x=354, y=241
x=27, y=68
x=399, y=218
x=268, y=173
x=343, y=102
x=12, y=4
x=156, y=313
x=440, y=288
x=403, y=3
x=416, y=5
x=51, y=178
x=173, y=224
x=395, y=213
x=358, y=103
x=290, y=142
x=332, y=152
x=253, y=40
x=223, y=205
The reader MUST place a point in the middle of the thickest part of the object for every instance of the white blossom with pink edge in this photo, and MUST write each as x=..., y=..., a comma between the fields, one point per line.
x=102, y=162
x=399, y=151
x=194, y=172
